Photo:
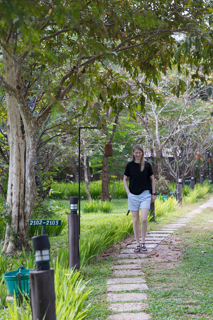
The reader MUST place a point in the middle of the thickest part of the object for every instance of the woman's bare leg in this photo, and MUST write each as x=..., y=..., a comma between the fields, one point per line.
x=144, y=215
x=135, y=217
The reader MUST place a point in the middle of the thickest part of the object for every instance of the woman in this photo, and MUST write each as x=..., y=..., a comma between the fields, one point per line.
x=141, y=192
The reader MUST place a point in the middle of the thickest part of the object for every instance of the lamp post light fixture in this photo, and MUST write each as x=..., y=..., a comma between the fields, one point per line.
x=73, y=234
x=42, y=289
x=208, y=162
x=179, y=190
x=41, y=247
x=179, y=180
x=192, y=183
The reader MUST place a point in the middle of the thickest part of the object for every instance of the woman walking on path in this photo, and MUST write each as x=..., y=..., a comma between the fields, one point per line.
x=141, y=192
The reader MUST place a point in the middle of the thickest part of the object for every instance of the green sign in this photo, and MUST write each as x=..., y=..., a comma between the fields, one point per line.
x=44, y=222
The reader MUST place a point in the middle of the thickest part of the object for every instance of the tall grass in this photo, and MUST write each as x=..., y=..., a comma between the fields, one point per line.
x=71, y=296
x=94, y=242
x=117, y=190
x=98, y=206
x=66, y=190
x=163, y=207
x=198, y=193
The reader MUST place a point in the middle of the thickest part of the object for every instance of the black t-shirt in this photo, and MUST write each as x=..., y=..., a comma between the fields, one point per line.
x=138, y=181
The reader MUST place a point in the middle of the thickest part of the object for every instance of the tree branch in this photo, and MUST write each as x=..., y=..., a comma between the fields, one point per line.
x=4, y=156
x=114, y=126
x=7, y=87
x=54, y=34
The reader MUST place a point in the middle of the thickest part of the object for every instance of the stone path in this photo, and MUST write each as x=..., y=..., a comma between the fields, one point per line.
x=126, y=291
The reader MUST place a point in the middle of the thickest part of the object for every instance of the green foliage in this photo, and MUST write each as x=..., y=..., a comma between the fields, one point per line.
x=162, y=186
x=163, y=207
x=117, y=190
x=104, y=235
x=186, y=190
x=2, y=220
x=66, y=190
x=97, y=206
x=71, y=296
x=198, y=193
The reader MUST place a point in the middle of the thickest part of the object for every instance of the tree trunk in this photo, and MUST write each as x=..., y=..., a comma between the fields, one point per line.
x=105, y=170
x=105, y=180
x=74, y=169
x=159, y=160
x=21, y=194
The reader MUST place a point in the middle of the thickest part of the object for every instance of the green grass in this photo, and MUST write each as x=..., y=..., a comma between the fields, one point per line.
x=66, y=190
x=185, y=291
x=98, y=232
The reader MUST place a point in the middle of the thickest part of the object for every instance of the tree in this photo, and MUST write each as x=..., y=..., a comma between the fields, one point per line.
x=180, y=123
x=50, y=48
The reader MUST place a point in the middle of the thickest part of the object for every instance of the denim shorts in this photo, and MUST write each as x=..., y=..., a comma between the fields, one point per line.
x=139, y=201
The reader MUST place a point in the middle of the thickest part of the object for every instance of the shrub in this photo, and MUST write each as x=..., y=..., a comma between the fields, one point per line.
x=97, y=206
x=71, y=295
x=162, y=186
x=117, y=190
x=163, y=207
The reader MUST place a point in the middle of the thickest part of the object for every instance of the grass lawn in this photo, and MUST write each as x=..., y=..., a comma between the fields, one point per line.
x=181, y=292
x=185, y=290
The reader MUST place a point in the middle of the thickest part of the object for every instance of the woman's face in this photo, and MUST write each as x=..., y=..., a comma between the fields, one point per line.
x=137, y=154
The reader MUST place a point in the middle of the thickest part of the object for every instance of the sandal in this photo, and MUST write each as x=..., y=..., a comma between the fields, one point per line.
x=143, y=247
x=137, y=249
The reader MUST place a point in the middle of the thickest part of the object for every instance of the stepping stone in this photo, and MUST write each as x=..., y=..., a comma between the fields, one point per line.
x=159, y=232
x=127, y=287
x=124, y=297
x=130, y=316
x=169, y=229
x=128, y=306
x=128, y=266
x=126, y=272
x=134, y=255
x=174, y=225
x=133, y=261
x=156, y=236
x=126, y=280
x=153, y=240
x=148, y=245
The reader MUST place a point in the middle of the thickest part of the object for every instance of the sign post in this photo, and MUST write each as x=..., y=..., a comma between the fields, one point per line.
x=43, y=223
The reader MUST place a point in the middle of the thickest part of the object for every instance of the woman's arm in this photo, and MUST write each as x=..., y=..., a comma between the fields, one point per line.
x=152, y=178
x=125, y=181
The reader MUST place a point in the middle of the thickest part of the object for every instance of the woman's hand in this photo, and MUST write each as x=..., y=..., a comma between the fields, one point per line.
x=153, y=198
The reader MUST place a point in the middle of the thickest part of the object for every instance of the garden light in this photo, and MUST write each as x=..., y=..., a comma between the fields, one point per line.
x=74, y=233
x=73, y=205
x=41, y=247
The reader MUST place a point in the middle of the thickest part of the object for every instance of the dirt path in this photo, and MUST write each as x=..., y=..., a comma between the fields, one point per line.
x=127, y=290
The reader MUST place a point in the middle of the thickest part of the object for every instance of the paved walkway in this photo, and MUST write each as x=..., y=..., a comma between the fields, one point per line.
x=126, y=292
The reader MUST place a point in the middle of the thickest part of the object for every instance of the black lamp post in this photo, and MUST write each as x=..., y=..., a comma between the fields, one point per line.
x=42, y=287
x=208, y=161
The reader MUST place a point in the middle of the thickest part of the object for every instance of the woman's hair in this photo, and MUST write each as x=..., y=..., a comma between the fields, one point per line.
x=138, y=147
